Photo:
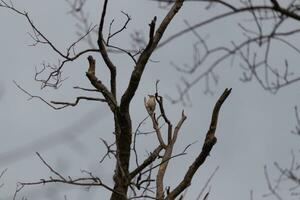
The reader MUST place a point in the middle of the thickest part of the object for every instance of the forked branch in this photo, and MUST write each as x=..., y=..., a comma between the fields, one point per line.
x=104, y=54
x=109, y=97
x=89, y=181
x=154, y=38
x=210, y=141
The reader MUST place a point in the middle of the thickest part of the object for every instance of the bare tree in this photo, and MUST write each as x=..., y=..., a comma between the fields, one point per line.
x=148, y=176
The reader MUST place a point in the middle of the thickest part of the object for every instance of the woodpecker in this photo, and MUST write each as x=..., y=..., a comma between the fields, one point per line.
x=150, y=104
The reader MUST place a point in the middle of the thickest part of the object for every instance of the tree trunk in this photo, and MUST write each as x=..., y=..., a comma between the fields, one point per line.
x=123, y=133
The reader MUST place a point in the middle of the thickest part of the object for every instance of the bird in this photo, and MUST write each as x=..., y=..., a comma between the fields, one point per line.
x=150, y=104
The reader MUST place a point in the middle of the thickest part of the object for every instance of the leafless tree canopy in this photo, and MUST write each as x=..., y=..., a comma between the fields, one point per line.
x=267, y=28
x=264, y=26
x=146, y=179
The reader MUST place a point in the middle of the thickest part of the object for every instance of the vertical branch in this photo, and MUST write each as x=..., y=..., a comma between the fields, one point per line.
x=165, y=160
x=159, y=99
x=104, y=54
x=145, y=55
x=210, y=141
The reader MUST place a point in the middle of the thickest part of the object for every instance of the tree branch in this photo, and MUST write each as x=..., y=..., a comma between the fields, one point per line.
x=99, y=85
x=145, y=55
x=209, y=142
x=104, y=54
x=146, y=162
x=77, y=101
x=165, y=160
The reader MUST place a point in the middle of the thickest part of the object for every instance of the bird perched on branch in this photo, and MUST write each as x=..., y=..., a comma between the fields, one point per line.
x=150, y=104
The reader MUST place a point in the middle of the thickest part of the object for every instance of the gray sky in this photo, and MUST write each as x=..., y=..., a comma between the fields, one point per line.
x=254, y=126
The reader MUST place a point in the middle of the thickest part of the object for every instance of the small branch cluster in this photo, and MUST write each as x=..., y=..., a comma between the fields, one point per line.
x=54, y=78
x=90, y=181
x=109, y=150
x=83, y=24
x=261, y=32
x=288, y=177
x=57, y=105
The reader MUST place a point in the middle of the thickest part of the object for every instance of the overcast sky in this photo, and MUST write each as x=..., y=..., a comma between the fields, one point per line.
x=254, y=127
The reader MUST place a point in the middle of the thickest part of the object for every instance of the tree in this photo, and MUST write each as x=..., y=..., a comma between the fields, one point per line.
x=139, y=179
x=250, y=34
